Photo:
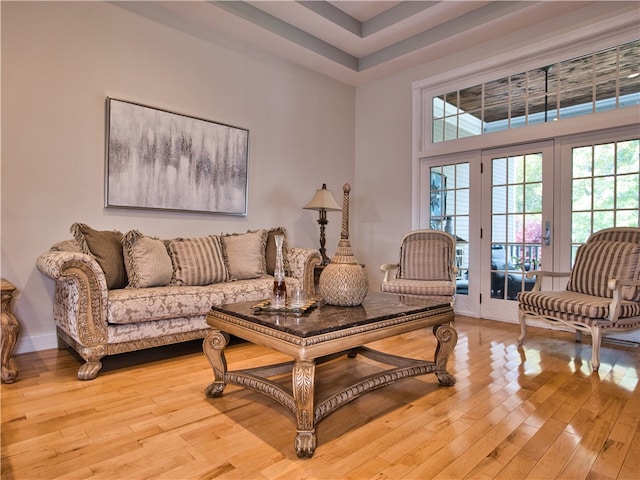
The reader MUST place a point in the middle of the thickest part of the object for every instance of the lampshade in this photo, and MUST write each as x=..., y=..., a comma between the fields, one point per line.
x=322, y=200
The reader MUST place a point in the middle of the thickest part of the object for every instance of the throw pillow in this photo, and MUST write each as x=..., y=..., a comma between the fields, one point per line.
x=270, y=254
x=147, y=261
x=599, y=261
x=197, y=261
x=106, y=248
x=245, y=254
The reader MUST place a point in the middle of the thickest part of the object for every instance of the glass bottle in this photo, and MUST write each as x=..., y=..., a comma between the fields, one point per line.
x=279, y=299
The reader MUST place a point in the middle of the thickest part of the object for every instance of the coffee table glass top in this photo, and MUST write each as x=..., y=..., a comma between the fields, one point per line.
x=327, y=318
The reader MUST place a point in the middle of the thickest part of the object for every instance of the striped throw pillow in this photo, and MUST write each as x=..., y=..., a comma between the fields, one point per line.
x=197, y=261
x=600, y=261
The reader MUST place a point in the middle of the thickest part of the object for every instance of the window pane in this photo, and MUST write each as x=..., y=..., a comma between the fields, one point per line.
x=603, y=190
x=516, y=169
x=438, y=131
x=582, y=158
x=515, y=201
x=581, y=193
x=499, y=171
x=450, y=128
x=471, y=99
x=603, y=163
x=627, y=188
x=462, y=175
x=628, y=157
x=533, y=195
x=580, y=227
x=499, y=200
x=534, y=168
x=602, y=220
x=626, y=218
x=438, y=107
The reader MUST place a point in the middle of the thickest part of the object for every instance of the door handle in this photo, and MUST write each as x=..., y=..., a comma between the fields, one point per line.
x=547, y=233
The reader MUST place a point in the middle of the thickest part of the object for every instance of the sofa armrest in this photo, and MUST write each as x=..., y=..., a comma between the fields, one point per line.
x=302, y=261
x=78, y=275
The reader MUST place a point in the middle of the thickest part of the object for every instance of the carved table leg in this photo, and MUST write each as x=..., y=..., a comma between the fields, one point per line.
x=213, y=347
x=447, y=337
x=10, y=331
x=303, y=377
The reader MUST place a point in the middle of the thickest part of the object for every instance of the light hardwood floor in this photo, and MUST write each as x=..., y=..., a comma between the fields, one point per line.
x=536, y=412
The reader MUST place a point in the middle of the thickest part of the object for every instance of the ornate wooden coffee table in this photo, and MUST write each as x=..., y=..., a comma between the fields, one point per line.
x=322, y=334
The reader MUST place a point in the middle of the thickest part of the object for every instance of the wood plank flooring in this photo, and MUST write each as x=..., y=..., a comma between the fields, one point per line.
x=531, y=413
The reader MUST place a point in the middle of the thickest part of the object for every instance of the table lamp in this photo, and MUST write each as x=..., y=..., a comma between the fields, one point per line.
x=323, y=201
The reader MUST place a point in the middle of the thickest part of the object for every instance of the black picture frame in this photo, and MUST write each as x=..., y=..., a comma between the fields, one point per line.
x=160, y=160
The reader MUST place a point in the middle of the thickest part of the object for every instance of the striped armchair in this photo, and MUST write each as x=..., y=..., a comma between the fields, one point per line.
x=602, y=295
x=426, y=266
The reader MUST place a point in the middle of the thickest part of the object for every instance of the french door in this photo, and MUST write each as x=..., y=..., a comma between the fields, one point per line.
x=528, y=207
x=517, y=224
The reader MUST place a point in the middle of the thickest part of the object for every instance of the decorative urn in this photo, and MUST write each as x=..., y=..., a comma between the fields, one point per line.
x=344, y=281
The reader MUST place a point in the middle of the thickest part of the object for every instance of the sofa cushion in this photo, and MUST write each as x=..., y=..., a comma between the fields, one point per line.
x=245, y=254
x=270, y=250
x=419, y=287
x=106, y=248
x=139, y=305
x=197, y=261
x=573, y=306
x=147, y=261
x=598, y=262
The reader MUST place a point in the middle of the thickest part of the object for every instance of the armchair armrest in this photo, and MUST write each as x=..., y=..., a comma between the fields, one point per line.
x=301, y=264
x=78, y=274
x=540, y=274
x=617, y=285
x=387, y=268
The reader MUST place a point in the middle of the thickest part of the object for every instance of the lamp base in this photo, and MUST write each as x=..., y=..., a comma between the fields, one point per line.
x=344, y=282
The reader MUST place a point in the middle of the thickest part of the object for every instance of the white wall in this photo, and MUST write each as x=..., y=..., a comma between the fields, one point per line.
x=59, y=63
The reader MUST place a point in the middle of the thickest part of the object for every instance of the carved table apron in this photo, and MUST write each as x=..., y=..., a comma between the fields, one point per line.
x=322, y=334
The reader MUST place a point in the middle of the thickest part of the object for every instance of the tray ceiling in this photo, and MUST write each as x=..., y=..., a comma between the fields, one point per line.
x=359, y=41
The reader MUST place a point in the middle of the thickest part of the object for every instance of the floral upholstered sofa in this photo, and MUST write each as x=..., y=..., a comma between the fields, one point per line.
x=119, y=292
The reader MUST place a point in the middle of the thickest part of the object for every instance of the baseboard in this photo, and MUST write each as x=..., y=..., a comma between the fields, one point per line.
x=34, y=343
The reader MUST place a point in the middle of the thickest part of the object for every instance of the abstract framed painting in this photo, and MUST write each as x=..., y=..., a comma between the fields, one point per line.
x=161, y=160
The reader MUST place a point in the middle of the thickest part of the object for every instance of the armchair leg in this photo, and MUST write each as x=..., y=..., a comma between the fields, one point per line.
x=523, y=326
x=596, y=340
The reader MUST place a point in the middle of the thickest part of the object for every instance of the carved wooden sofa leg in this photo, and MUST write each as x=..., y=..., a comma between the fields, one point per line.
x=92, y=355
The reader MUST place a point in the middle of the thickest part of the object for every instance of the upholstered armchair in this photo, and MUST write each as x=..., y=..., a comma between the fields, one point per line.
x=601, y=296
x=426, y=266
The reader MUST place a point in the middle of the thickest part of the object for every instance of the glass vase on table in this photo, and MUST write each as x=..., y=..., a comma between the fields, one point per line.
x=279, y=296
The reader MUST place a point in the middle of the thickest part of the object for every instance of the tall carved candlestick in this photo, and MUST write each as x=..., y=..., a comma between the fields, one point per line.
x=344, y=282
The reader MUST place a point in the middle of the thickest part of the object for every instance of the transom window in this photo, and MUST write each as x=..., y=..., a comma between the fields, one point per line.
x=595, y=82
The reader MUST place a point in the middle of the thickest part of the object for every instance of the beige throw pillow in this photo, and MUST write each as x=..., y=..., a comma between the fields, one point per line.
x=245, y=254
x=147, y=261
x=106, y=248
x=197, y=261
